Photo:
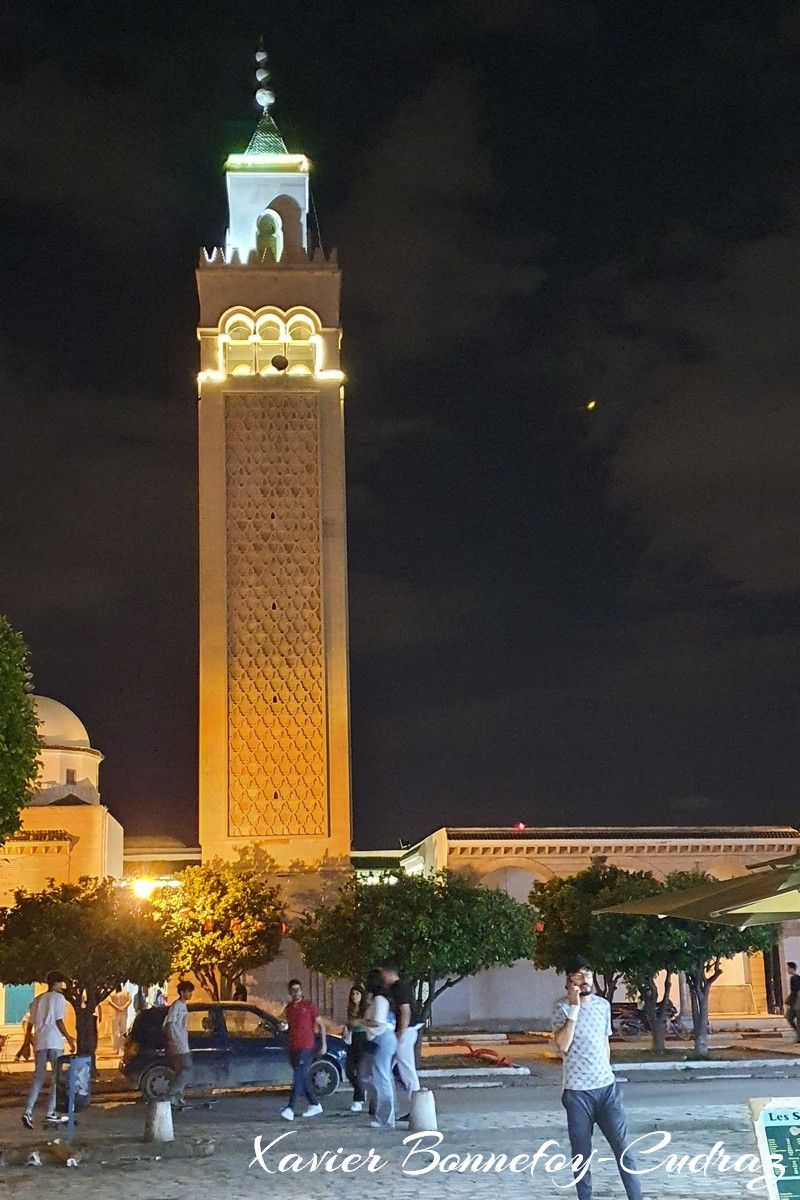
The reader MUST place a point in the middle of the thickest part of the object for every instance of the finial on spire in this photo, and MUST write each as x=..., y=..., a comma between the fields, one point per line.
x=265, y=97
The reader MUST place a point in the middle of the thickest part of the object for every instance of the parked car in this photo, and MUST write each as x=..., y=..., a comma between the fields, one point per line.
x=233, y=1044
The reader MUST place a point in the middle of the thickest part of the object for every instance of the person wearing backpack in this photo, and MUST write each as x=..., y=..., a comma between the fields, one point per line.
x=408, y=1024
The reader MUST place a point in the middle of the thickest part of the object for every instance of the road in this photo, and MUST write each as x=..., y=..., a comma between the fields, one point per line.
x=498, y=1120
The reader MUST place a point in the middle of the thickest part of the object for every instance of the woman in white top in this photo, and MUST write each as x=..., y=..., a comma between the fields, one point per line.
x=376, y=1062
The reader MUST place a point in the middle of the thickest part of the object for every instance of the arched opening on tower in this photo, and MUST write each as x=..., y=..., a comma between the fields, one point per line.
x=269, y=235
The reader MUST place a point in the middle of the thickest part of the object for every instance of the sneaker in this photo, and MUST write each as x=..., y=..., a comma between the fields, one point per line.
x=357, y=1106
x=27, y=1120
x=380, y=1125
x=55, y=1119
x=287, y=1114
x=315, y=1110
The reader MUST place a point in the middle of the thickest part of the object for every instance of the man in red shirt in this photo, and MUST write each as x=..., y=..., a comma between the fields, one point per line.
x=304, y=1022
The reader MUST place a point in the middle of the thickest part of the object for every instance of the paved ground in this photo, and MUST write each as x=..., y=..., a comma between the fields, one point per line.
x=501, y=1120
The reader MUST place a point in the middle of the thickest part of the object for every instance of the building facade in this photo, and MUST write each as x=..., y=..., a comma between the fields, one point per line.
x=274, y=698
x=514, y=859
x=66, y=832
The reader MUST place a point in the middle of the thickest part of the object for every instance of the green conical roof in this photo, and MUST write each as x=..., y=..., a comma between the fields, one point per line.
x=266, y=139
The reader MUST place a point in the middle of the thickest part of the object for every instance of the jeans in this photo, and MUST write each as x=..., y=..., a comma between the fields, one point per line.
x=602, y=1107
x=354, y=1054
x=405, y=1062
x=301, y=1060
x=181, y=1064
x=40, y=1061
x=376, y=1077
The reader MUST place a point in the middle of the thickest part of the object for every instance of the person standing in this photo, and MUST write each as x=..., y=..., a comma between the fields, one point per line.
x=304, y=1022
x=379, y=1053
x=48, y=1032
x=794, y=993
x=176, y=1034
x=240, y=992
x=355, y=1037
x=119, y=1002
x=408, y=1022
x=591, y=1095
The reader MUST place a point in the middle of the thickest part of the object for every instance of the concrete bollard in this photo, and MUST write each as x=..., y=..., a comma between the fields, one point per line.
x=158, y=1123
x=423, y=1111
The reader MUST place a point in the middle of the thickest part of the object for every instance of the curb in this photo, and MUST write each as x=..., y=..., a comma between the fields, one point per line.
x=742, y=1064
x=471, y=1072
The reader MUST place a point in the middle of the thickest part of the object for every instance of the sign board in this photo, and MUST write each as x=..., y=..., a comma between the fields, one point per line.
x=777, y=1126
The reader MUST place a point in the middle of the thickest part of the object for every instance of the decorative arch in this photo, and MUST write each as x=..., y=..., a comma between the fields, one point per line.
x=269, y=234
x=237, y=333
x=249, y=341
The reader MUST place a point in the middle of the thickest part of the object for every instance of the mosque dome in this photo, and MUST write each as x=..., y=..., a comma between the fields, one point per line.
x=58, y=725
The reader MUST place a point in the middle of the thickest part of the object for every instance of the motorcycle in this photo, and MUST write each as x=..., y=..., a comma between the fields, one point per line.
x=630, y=1022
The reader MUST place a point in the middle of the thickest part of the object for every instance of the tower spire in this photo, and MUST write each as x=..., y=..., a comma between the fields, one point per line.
x=267, y=138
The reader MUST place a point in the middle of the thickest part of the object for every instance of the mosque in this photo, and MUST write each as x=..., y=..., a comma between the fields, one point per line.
x=274, y=718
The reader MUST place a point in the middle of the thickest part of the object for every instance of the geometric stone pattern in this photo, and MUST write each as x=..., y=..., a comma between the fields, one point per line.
x=277, y=760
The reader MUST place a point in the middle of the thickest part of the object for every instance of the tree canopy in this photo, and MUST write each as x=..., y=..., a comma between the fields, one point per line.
x=614, y=945
x=223, y=920
x=19, y=740
x=438, y=929
x=95, y=932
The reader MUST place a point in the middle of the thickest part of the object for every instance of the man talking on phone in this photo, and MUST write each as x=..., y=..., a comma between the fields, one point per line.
x=591, y=1096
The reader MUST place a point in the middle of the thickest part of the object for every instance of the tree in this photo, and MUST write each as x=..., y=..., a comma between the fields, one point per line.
x=566, y=926
x=222, y=920
x=95, y=932
x=704, y=947
x=638, y=948
x=19, y=740
x=438, y=929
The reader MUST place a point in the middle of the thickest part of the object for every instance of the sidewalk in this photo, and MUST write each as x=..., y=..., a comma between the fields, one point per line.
x=490, y=1124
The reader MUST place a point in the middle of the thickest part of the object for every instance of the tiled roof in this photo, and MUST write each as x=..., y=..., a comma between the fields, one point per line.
x=266, y=139
x=538, y=833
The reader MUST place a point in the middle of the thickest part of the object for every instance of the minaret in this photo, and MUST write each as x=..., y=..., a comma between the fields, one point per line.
x=274, y=703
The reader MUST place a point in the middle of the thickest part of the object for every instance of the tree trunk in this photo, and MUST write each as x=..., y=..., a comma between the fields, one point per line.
x=653, y=1012
x=700, y=986
x=701, y=1034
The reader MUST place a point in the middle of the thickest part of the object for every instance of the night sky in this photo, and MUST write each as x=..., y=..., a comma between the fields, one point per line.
x=558, y=615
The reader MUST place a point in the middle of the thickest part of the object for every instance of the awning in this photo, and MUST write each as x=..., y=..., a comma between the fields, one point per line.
x=758, y=898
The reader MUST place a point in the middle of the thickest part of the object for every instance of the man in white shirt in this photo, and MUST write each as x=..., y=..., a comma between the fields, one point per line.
x=591, y=1095
x=176, y=1033
x=47, y=1030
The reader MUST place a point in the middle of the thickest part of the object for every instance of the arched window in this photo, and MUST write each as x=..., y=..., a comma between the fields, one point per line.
x=271, y=341
x=300, y=349
x=269, y=235
x=239, y=348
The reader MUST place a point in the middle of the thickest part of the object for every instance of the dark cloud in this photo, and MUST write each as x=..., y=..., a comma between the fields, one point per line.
x=428, y=261
x=394, y=614
x=87, y=156
x=693, y=360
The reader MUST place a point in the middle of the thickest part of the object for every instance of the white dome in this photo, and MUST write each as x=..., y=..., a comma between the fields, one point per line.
x=58, y=725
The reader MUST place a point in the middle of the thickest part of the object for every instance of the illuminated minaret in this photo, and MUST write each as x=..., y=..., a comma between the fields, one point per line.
x=274, y=704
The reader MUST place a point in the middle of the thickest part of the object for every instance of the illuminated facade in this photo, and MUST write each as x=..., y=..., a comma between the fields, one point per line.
x=512, y=860
x=274, y=704
x=66, y=832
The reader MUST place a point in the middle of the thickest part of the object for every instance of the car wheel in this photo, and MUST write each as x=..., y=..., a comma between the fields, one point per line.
x=324, y=1077
x=156, y=1082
